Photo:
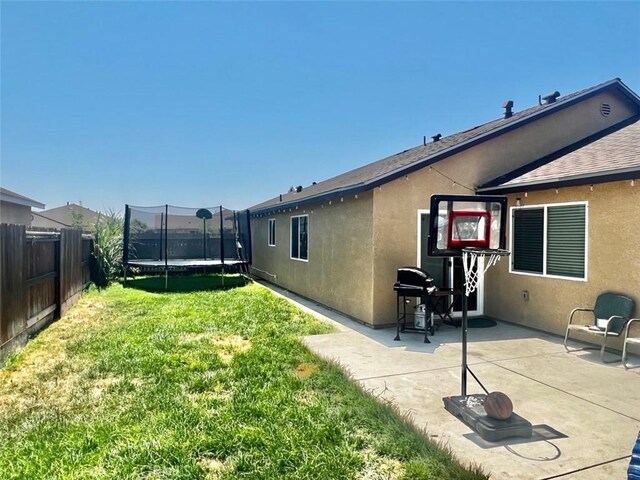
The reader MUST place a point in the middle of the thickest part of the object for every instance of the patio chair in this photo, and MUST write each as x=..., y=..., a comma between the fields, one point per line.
x=627, y=340
x=610, y=315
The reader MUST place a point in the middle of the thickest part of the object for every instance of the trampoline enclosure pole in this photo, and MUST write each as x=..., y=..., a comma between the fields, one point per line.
x=125, y=246
x=166, y=247
x=221, y=236
x=204, y=238
x=222, y=243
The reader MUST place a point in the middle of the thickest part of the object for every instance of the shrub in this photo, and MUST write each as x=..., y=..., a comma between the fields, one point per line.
x=107, y=251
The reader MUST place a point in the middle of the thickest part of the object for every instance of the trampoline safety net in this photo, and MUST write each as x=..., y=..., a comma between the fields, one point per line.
x=166, y=235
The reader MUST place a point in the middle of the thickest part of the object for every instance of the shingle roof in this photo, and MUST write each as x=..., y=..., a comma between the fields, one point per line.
x=380, y=172
x=610, y=155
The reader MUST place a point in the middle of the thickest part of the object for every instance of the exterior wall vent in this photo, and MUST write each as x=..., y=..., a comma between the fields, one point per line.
x=605, y=109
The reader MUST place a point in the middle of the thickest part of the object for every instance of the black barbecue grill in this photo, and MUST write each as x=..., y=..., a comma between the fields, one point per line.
x=412, y=282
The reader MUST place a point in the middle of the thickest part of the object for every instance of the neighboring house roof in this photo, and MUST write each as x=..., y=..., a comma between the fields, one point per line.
x=13, y=197
x=613, y=154
x=64, y=215
x=388, y=169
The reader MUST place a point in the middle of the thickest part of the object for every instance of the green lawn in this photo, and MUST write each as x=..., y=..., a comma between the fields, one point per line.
x=203, y=384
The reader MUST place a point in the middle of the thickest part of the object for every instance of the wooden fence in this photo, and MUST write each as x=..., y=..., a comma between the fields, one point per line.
x=42, y=274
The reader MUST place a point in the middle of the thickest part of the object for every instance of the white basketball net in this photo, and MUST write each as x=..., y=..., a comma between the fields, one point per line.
x=470, y=262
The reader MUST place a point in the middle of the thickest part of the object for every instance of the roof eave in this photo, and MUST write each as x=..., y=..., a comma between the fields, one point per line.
x=27, y=202
x=319, y=198
x=573, y=181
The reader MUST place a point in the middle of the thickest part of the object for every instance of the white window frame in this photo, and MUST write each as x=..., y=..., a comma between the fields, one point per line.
x=271, y=242
x=290, y=239
x=545, y=207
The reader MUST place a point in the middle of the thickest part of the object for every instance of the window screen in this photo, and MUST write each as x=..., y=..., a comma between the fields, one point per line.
x=562, y=252
x=566, y=240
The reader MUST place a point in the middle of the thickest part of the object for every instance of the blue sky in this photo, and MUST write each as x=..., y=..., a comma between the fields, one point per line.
x=212, y=103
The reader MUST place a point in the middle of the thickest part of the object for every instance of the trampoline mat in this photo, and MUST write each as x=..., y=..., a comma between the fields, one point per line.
x=183, y=263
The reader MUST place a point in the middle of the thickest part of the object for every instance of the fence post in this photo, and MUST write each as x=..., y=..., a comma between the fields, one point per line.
x=12, y=306
x=58, y=278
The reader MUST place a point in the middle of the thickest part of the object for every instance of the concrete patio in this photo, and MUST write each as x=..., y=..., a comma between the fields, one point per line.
x=586, y=415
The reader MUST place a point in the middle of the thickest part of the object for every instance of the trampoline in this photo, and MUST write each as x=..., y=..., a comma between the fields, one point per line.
x=167, y=238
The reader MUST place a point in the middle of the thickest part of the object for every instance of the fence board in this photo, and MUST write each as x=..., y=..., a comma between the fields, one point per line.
x=40, y=273
x=12, y=306
x=71, y=275
x=41, y=276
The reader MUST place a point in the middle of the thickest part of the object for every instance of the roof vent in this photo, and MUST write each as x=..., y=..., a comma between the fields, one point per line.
x=605, y=109
x=436, y=137
x=551, y=97
x=508, y=105
x=298, y=188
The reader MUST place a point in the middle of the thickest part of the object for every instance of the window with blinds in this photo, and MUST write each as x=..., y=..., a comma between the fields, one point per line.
x=566, y=235
x=550, y=240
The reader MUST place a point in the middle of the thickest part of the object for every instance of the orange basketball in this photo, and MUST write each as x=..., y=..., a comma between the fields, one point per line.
x=498, y=405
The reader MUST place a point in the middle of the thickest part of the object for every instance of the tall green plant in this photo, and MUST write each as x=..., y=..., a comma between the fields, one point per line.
x=107, y=250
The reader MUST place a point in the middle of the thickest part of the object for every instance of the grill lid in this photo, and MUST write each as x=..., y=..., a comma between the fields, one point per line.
x=414, y=276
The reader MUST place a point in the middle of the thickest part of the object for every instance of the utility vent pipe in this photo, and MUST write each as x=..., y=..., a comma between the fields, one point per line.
x=551, y=97
x=436, y=137
x=508, y=105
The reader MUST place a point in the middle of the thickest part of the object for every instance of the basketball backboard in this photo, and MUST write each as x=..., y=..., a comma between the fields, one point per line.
x=459, y=221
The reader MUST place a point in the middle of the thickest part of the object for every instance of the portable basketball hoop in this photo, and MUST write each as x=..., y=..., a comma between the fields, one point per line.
x=473, y=228
x=470, y=262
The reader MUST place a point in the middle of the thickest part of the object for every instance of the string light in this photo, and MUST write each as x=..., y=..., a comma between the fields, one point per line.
x=455, y=182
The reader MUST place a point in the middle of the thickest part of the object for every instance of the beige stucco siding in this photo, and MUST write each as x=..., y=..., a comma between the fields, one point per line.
x=396, y=206
x=396, y=203
x=339, y=270
x=14, y=213
x=612, y=260
x=355, y=247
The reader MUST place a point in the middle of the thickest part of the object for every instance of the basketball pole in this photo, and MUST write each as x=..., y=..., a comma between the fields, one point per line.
x=463, y=377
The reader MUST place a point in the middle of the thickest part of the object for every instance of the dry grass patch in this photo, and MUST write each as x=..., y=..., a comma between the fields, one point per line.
x=214, y=467
x=305, y=369
x=227, y=346
x=379, y=468
x=46, y=378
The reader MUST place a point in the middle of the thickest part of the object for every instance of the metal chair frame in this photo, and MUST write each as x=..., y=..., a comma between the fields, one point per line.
x=615, y=324
x=628, y=339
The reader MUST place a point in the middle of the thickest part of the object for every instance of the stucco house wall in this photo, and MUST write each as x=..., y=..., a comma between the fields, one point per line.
x=612, y=260
x=396, y=203
x=356, y=245
x=339, y=271
x=14, y=213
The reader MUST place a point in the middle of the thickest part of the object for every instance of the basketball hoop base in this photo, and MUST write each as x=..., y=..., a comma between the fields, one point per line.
x=470, y=409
